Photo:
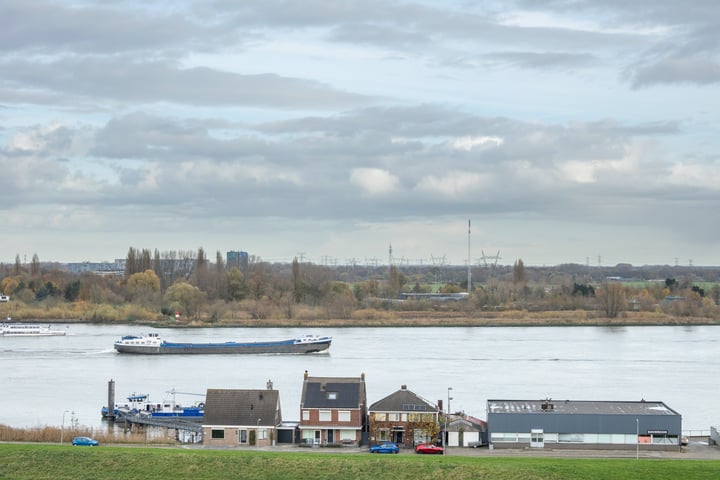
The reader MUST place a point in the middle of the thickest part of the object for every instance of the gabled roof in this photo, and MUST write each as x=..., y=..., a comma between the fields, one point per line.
x=467, y=424
x=333, y=392
x=242, y=407
x=403, y=400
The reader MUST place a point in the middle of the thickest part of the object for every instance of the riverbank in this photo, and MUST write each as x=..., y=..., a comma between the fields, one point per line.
x=514, y=318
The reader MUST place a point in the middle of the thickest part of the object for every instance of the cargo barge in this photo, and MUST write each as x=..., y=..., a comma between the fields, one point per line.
x=152, y=344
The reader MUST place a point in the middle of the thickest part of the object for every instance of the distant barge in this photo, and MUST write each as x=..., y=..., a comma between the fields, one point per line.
x=27, y=330
x=152, y=344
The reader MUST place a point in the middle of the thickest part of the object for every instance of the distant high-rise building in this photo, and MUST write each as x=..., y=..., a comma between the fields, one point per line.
x=236, y=259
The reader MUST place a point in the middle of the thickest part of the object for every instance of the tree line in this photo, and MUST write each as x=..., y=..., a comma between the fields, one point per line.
x=189, y=283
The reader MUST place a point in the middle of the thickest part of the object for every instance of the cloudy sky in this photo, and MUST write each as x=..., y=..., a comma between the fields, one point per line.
x=565, y=130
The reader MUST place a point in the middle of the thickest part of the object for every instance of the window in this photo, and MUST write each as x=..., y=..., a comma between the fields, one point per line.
x=219, y=434
x=325, y=415
x=262, y=434
x=347, y=435
x=344, y=416
x=380, y=417
x=332, y=395
x=306, y=415
x=384, y=435
x=393, y=417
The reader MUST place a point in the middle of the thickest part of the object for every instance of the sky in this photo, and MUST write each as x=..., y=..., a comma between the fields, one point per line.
x=337, y=132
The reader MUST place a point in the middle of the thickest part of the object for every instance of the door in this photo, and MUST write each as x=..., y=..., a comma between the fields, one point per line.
x=536, y=438
x=331, y=436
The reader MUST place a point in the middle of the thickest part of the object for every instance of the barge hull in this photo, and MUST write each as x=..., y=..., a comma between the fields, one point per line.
x=169, y=348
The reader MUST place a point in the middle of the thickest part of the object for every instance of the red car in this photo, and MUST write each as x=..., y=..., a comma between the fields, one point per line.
x=428, y=448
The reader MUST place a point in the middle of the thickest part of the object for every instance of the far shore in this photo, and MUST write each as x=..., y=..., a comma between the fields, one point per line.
x=425, y=319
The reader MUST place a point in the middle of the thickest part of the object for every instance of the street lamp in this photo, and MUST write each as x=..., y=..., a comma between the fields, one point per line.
x=447, y=410
x=62, y=427
x=637, y=439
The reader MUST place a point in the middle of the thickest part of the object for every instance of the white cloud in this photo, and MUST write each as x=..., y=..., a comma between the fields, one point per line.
x=374, y=181
x=454, y=184
x=471, y=143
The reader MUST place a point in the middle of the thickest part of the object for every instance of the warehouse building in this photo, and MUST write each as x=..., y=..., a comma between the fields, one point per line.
x=583, y=424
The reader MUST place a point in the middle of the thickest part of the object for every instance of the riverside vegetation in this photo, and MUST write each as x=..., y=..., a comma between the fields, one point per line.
x=187, y=289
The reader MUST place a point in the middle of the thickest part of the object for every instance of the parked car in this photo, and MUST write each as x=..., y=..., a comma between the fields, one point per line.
x=385, y=447
x=428, y=448
x=475, y=444
x=85, y=442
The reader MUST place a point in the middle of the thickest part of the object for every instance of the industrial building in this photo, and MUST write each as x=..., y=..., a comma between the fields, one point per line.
x=572, y=424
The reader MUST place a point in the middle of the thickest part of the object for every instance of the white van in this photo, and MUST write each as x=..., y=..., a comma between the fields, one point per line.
x=4, y=298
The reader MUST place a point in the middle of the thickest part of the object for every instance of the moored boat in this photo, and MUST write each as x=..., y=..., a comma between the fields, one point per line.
x=140, y=404
x=152, y=344
x=27, y=330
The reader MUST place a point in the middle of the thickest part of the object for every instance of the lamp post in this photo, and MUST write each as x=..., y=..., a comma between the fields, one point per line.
x=62, y=427
x=637, y=439
x=447, y=410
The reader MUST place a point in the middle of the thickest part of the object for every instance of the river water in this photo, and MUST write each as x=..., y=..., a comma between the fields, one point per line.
x=51, y=380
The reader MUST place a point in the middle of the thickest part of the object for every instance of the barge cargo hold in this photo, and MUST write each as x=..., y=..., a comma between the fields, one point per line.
x=154, y=345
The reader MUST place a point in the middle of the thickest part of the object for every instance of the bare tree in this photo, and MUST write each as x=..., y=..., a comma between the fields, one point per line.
x=612, y=298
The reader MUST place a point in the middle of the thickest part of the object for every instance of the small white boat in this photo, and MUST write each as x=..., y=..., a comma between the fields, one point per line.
x=27, y=330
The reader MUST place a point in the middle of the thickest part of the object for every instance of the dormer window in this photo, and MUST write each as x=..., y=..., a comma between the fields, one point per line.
x=332, y=395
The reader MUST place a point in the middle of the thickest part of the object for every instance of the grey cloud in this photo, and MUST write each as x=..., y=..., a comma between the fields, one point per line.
x=124, y=79
x=543, y=60
x=322, y=163
x=699, y=71
x=51, y=27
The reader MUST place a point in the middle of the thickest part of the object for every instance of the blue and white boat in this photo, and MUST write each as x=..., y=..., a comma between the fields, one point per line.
x=152, y=344
x=140, y=404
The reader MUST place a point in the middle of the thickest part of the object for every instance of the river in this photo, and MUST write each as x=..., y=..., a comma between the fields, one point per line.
x=51, y=380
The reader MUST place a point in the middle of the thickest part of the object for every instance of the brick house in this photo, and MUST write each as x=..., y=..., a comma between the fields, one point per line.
x=403, y=417
x=241, y=417
x=333, y=410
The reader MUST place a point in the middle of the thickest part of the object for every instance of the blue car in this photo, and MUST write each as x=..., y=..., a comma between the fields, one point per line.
x=386, y=447
x=84, y=442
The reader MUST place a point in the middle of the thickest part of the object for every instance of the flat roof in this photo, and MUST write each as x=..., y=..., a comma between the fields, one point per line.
x=641, y=407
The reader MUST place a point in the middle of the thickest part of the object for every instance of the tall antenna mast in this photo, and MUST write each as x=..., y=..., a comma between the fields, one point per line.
x=468, y=262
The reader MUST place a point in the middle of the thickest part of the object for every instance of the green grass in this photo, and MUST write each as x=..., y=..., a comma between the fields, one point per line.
x=35, y=461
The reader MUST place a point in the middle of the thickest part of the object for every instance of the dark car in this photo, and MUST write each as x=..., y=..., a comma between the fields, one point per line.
x=428, y=448
x=85, y=442
x=385, y=447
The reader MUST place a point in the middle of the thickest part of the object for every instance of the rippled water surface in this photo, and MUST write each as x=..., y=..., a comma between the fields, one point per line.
x=42, y=377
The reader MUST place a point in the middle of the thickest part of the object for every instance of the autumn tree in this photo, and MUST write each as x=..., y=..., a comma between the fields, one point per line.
x=143, y=286
x=185, y=298
x=612, y=299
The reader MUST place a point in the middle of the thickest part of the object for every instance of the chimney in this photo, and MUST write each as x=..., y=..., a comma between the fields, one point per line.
x=403, y=387
x=306, y=374
x=440, y=405
x=362, y=376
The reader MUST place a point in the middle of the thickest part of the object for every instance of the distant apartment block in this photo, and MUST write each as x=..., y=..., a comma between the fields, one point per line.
x=237, y=259
x=116, y=268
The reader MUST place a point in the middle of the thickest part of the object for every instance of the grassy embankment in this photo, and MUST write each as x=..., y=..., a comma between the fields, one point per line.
x=63, y=462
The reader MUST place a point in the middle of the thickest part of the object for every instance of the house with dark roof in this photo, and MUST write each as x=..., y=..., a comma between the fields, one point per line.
x=333, y=410
x=241, y=417
x=403, y=417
